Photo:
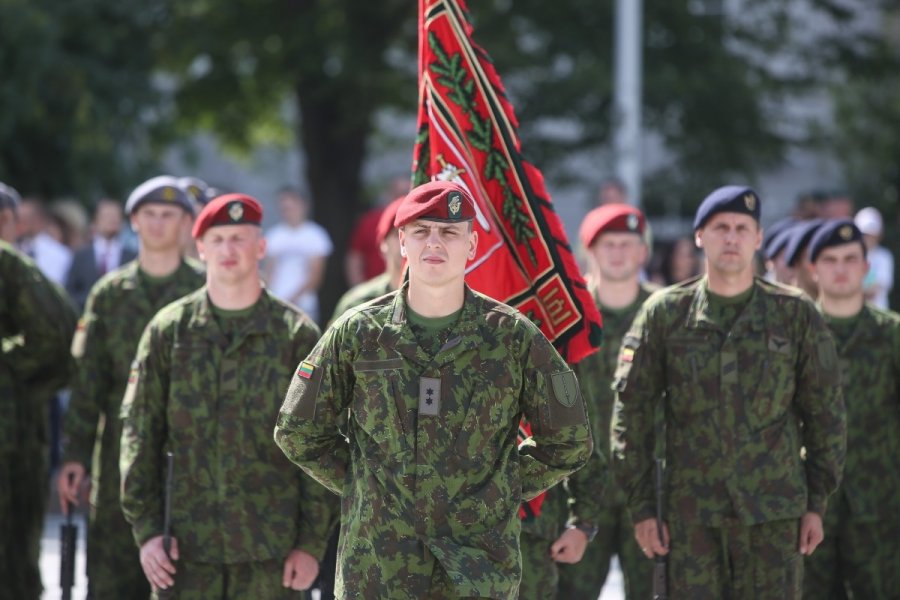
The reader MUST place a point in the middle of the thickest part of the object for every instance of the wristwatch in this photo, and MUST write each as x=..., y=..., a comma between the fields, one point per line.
x=586, y=528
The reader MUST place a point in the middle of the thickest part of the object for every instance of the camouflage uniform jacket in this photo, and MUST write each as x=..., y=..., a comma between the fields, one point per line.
x=432, y=459
x=117, y=310
x=739, y=405
x=870, y=376
x=212, y=402
x=362, y=293
x=36, y=325
x=595, y=374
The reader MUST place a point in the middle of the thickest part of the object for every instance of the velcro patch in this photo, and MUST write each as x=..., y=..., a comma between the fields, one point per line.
x=566, y=408
x=429, y=396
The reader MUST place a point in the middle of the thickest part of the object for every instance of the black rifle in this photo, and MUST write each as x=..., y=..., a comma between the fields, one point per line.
x=659, y=562
x=167, y=518
x=68, y=536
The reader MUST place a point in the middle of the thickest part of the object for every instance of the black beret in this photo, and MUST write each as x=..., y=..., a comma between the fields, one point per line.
x=835, y=233
x=773, y=231
x=163, y=189
x=9, y=197
x=780, y=241
x=731, y=198
x=799, y=240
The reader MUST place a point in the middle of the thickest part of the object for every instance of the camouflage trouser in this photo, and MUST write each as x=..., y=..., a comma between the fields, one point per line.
x=856, y=560
x=615, y=535
x=735, y=561
x=539, y=572
x=113, y=558
x=204, y=581
x=22, y=503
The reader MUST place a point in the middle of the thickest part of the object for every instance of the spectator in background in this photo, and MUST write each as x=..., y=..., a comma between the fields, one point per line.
x=297, y=251
x=880, y=278
x=364, y=259
x=73, y=221
x=612, y=191
x=51, y=256
x=103, y=254
x=808, y=205
x=679, y=262
x=837, y=204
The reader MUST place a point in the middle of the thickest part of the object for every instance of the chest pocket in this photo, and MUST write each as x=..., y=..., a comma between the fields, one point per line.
x=692, y=374
x=489, y=420
x=378, y=409
x=770, y=383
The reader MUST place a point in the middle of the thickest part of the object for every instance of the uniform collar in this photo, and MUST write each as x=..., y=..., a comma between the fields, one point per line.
x=752, y=318
x=396, y=333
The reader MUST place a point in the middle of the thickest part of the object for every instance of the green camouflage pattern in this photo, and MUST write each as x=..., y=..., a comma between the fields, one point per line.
x=212, y=401
x=734, y=560
x=36, y=325
x=360, y=294
x=118, y=308
x=540, y=573
x=605, y=508
x=734, y=402
x=432, y=477
x=259, y=580
x=862, y=524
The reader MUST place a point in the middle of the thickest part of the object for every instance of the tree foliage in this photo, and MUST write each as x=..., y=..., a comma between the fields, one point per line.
x=77, y=104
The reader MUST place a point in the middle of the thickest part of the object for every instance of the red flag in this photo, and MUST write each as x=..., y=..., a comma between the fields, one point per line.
x=467, y=133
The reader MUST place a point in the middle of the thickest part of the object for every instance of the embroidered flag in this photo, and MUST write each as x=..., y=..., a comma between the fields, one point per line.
x=306, y=370
x=467, y=134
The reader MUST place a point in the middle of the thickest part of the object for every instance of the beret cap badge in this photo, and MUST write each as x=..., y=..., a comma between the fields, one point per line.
x=846, y=232
x=454, y=204
x=236, y=211
x=632, y=222
x=750, y=201
x=169, y=194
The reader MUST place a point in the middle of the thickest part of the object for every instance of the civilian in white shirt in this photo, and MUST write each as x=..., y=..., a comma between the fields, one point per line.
x=296, y=253
x=880, y=278
x=52, y=257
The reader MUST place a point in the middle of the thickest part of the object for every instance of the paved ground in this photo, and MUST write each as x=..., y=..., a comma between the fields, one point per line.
x=50, y=565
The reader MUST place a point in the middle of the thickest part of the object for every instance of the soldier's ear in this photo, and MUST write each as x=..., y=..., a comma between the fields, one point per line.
x=473, y=244
x=698, y=238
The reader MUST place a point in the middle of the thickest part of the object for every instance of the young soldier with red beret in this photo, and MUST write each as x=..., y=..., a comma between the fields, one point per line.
x=436, y=378
x=206, y=385
x=614, y=237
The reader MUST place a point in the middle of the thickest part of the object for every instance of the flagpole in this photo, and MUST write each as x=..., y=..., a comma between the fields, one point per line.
x=627, y=94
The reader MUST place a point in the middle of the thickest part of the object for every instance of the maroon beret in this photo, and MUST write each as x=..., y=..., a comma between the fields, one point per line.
x=436, y=201
x=611, y=217
x=230, y=209
x=386, y=221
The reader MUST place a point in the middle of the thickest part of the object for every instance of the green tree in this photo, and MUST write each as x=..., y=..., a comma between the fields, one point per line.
x=77, y=101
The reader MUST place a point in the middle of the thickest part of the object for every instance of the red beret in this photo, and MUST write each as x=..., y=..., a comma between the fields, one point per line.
x=386, y=221
x=611, y=217
x=230, y=209
x=436, y=201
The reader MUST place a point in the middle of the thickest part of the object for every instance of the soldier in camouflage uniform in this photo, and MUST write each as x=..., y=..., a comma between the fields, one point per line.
x=206, y=385
x=860, y=557
x=614, y=237
x=748, y=376
x=436, y=378
x=387, y=282
x=119, y=307
x=36, y=325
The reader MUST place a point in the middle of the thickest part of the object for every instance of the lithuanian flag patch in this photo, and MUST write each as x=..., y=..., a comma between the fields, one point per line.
x=627, y=354
x=306, y=370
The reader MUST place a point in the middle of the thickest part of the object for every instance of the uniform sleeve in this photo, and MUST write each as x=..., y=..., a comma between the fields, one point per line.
x=307, y=427
x=144, y=433
x=561, y=441
x=639, y=383
x=90, y=387
x=317, y=511
x=820, y=402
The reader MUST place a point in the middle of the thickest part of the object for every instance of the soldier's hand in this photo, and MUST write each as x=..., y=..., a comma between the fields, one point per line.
x=156, y=564
x=300, y=570
x=68, y=483
x=648, y=538
x=811, y=532
x=569, y=548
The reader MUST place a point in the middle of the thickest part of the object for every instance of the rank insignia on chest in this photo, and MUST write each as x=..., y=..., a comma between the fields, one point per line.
x=306, y=370
x=429, y=396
